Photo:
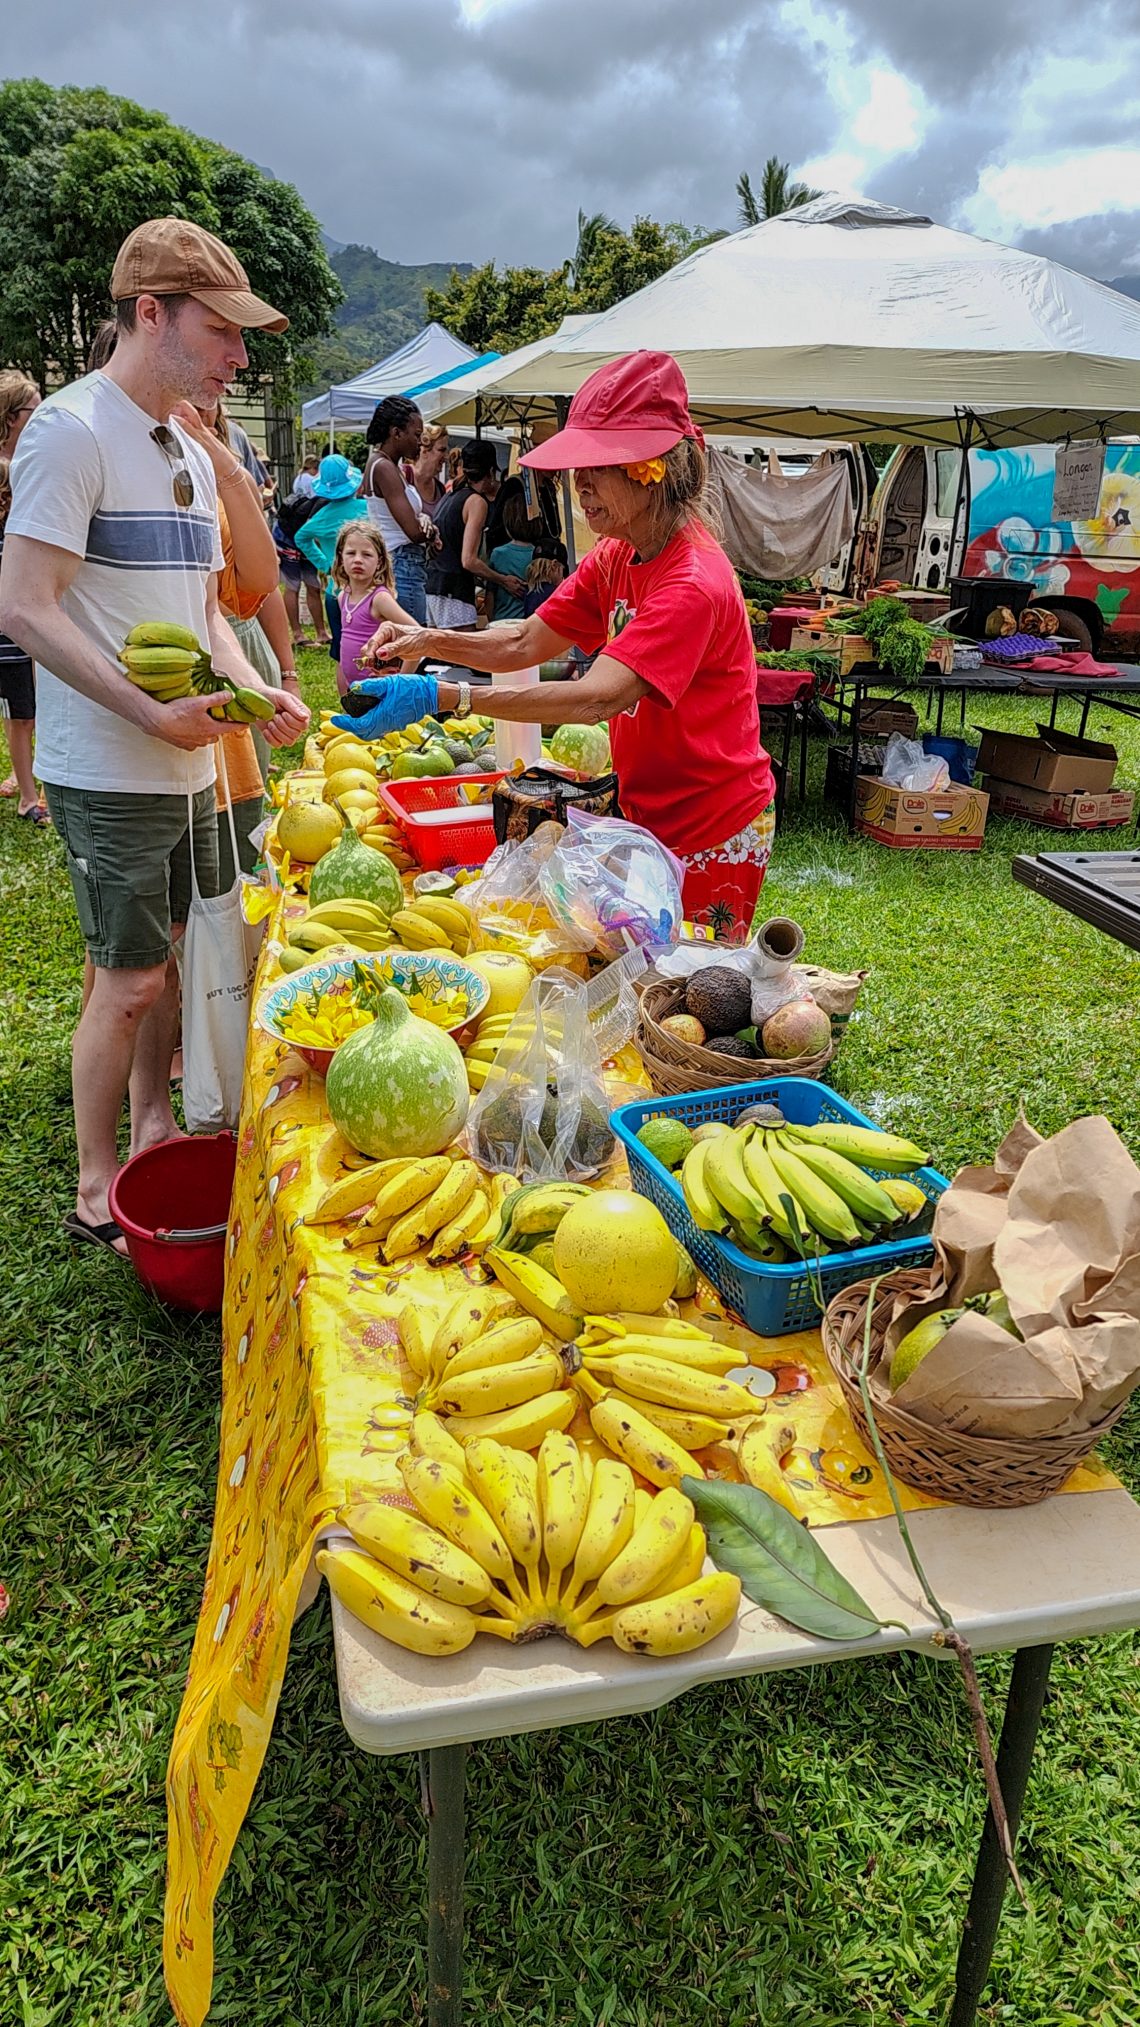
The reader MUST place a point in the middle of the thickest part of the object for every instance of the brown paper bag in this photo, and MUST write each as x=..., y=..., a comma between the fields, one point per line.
x=1055, y=1224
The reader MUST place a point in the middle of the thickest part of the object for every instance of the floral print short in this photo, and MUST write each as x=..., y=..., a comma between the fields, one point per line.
x=722, y=885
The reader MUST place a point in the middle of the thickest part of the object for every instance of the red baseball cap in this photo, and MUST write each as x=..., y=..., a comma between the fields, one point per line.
x=631, y=409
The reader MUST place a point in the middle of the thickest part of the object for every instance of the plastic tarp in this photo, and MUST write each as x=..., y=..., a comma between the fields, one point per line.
x=777, y=526
x=426, y=360
x=853, y=320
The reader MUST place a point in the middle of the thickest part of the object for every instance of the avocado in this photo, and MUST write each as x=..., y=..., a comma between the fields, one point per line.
x=593, y=1140
x=732, y=1045
x=721, y=999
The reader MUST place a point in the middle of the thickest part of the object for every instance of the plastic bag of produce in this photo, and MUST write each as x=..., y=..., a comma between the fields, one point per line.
x=614, y=883
x=511, y=909
x=542, y=1114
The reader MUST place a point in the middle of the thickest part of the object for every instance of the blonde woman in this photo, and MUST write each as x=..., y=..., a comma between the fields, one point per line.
x=426, y=472
x=19, y=398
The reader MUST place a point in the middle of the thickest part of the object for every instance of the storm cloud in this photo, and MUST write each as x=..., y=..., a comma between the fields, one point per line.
x=471, y=129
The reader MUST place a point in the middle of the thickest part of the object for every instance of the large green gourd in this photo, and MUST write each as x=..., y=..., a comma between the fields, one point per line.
x=353, y=871
x=399, y=1086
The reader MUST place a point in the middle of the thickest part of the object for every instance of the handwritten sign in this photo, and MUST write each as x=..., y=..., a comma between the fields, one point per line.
x=1076, y=481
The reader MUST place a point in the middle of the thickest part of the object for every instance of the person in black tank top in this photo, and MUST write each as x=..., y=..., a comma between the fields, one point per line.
x=457, y=565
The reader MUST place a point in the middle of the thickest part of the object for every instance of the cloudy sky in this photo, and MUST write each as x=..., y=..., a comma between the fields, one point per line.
x=471, y=129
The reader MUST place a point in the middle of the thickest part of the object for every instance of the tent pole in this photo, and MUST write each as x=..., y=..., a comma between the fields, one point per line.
x=955, y=565
x=332, y=426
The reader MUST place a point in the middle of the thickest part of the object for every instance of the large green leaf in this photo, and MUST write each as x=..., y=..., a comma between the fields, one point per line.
x=780, y=1564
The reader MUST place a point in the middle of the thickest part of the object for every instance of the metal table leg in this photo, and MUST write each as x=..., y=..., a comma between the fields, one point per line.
x=856, y=705
x=1023, y=1707
x=1085, y=703
x=442, y=1781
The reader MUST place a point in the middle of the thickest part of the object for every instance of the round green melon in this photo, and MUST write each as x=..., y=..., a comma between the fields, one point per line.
x=398, y=1088
x=585, y=748
x=353, y=871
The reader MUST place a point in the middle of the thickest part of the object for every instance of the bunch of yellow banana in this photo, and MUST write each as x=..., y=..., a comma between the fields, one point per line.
x=161, y=658
x=487, y=1369
x=357, y=1193
x=520, y=1546
x=536, y=1290
x=666, y=1374
x=360, y=924
x=483, y=1051
x=780, y=1191
x=388, y=838
x=435, y=922
x=409, y=1202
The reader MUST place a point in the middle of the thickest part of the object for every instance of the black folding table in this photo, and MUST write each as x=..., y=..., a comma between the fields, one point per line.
x=1100, y=887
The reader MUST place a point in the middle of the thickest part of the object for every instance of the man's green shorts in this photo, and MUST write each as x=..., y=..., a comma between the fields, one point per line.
x=129, y=860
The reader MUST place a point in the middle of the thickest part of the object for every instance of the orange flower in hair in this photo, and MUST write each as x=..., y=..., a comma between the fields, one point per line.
x=649, y=472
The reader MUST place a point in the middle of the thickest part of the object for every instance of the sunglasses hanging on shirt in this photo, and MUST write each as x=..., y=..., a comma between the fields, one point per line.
x=181, y=480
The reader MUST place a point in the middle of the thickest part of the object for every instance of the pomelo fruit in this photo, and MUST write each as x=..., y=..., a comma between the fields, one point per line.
x=613, y=1250
x=344, y=751
x=799, y=1029
x=347, y=778
x=307, y=830
x=508, y=978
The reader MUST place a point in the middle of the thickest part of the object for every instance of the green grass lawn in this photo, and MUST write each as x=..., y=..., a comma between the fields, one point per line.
x=794, y=1849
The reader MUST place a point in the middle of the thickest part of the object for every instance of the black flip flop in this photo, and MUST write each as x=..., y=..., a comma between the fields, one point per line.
x=37, y=815
x=94, y=1235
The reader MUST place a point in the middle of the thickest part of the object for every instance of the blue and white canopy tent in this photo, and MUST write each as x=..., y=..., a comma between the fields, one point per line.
x=429, y=359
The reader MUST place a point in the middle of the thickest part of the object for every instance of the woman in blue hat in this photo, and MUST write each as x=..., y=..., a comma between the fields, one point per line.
x=336, y=488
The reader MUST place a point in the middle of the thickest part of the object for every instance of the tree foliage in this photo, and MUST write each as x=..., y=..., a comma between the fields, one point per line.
x=495, y=310
x=777, y=193
x=80, y=168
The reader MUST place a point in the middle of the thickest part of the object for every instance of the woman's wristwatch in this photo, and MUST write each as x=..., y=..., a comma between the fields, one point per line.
x=463, y=708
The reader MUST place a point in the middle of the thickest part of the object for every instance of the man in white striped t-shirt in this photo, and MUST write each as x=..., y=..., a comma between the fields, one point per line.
x=114, y=521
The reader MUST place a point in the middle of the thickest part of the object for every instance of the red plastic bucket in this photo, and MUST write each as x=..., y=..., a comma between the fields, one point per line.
x=173, y=1202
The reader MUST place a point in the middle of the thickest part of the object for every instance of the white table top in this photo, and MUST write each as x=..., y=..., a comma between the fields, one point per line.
x=1061, y=1570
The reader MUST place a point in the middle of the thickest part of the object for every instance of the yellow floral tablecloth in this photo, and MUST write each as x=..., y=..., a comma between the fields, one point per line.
x=314, y=1411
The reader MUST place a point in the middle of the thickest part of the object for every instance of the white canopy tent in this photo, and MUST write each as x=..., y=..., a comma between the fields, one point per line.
x=474, y=397
x=853, y=320
x=432, y=355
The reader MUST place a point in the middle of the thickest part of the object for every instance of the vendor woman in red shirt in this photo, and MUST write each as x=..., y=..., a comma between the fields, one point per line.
x=657, y=601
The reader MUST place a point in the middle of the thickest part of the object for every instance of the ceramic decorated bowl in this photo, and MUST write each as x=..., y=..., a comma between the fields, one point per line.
x=437, y=986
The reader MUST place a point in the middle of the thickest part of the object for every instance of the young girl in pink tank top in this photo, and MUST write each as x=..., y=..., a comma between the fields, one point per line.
x=362, y=573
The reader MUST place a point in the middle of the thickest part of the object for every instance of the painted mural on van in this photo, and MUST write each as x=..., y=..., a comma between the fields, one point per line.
x=1013, y=533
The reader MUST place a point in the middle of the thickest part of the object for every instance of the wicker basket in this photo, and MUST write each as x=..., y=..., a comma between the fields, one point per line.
x=676, y=1067
x=969, y=1470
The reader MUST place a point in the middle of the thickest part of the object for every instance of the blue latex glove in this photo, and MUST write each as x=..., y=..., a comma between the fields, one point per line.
x=400, y=700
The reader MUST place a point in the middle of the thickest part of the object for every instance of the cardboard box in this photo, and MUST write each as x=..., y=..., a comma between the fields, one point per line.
x=1054, y=760
x=1074, y=812
x=950, y=819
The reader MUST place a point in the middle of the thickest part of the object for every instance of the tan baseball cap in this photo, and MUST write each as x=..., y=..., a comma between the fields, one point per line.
x=174, y=257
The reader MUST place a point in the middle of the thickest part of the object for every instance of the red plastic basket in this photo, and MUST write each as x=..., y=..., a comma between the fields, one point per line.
x=442, y=830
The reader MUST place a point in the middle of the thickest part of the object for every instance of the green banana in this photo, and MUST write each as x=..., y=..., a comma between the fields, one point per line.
x=706, y=1211
x=860, y=1192
x=155, y=633
x=728, y=1179
x=768, y=1186
x=823, y=1208
x=863, y=1144
x=156, y=661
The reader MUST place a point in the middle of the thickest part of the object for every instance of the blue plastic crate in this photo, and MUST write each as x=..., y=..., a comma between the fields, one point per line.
x=771, y=1300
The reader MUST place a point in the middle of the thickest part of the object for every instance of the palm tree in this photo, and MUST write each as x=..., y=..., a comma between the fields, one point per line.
x=777, y=194
x=590, y=231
